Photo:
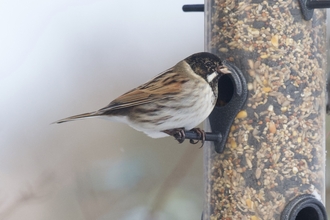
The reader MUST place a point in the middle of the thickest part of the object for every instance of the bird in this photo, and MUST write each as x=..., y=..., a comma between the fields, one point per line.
x=173, y=102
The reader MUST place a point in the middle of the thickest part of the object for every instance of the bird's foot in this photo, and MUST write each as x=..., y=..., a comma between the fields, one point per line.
x=178, y=134
x=201, y=135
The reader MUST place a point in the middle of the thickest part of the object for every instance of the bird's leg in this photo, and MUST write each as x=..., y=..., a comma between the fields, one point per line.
x=201, y=134
x=178, y=134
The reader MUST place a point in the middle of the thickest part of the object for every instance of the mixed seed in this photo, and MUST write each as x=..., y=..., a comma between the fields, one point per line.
x=276, y=148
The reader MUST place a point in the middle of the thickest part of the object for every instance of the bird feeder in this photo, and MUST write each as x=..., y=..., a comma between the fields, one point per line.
x=272, y=164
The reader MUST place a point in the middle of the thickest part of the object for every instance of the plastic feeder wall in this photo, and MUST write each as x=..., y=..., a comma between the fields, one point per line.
x=273, y=164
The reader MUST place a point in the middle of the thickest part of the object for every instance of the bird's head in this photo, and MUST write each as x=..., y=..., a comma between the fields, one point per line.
x=208, y=66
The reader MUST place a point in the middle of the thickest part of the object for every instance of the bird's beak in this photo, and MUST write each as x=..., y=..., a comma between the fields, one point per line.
x=223, y=70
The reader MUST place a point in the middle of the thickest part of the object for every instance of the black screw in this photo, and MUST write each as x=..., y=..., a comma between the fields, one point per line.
x=208, y=136
x=317, y=4
x=193, y=8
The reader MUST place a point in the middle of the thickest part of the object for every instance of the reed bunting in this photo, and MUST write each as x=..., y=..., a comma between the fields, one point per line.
x=173, y=102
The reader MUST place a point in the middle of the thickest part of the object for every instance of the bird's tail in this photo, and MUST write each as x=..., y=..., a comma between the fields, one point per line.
x=76, y=117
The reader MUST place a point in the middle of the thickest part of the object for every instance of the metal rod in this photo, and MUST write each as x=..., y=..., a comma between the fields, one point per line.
x=317, y=4
x=193, y=8
x=208, y=136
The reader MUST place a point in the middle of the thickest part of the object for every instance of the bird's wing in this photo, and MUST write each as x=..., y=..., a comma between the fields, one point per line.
x=163, y=86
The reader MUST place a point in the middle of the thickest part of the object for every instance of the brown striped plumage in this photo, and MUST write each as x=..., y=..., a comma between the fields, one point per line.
x=181, y=97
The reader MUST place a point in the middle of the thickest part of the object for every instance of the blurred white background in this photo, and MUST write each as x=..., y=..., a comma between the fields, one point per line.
x=65, y=57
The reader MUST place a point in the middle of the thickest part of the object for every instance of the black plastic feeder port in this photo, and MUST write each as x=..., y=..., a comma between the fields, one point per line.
x=308, y=6
x=232, y=96
x=304, y=207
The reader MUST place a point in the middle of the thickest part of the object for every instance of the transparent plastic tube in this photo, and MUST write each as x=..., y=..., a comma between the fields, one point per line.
x=276, y=147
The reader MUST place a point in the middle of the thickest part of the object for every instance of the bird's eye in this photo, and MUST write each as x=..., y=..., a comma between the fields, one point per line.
x=208, y=64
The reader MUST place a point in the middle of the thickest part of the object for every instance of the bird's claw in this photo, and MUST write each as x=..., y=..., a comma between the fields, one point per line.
x=201, y=135
x=180, y=135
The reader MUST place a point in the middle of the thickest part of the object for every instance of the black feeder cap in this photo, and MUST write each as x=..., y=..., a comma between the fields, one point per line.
x=304, y=207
